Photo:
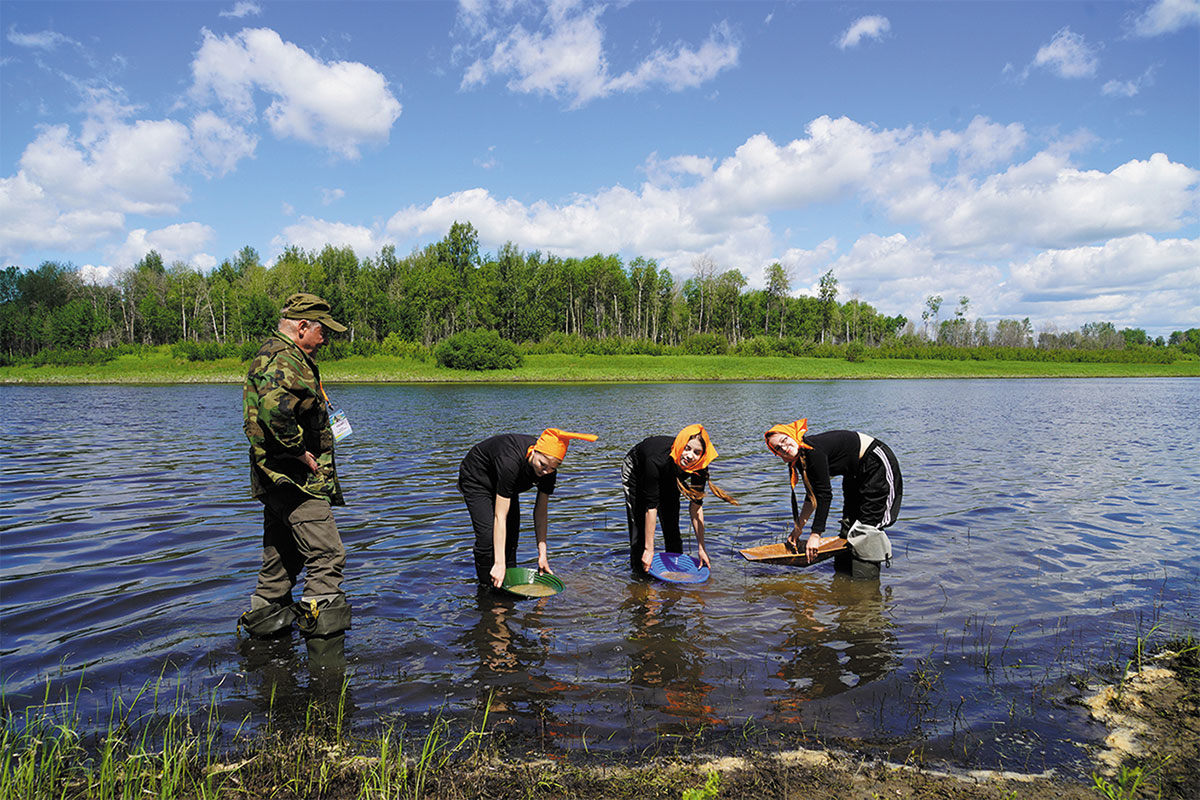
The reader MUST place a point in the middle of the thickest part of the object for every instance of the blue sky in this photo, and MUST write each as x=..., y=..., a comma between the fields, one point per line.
x=1041, y=159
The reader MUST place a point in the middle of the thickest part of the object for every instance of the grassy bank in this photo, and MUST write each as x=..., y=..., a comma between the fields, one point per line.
x=166, y=750
x=159, y=366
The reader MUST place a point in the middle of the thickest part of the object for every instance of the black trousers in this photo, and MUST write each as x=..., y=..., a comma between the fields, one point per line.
x=482, y=508
x=635, y=515
x=873, y=496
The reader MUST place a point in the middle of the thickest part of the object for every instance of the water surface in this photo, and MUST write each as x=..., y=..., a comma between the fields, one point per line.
x=1046, y=525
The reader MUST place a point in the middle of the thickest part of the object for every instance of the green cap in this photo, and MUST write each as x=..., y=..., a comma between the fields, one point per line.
x=308, y=306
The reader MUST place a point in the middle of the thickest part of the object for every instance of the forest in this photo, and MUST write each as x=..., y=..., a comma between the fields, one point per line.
x=407, y=305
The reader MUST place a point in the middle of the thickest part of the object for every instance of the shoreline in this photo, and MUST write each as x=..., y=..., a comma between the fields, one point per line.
x=1151, y=714
x=162, y=369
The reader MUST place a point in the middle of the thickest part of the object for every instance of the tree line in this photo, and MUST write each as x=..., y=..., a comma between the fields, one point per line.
x=449, y=286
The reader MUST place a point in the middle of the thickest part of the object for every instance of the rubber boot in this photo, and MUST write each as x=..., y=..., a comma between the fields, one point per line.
x=326, y=615
x=267, y=619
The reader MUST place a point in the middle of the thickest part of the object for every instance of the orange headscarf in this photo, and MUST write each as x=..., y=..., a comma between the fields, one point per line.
x=795, y=430
x=681, y=441
x=553, y=442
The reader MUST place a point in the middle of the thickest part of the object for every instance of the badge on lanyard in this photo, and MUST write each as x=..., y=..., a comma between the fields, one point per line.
x=337, y=420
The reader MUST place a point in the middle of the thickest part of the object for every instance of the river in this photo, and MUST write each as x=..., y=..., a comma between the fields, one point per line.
x=1046, y=526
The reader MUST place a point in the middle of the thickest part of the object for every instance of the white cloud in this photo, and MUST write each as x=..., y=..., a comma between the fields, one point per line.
x=41, y=40
x=101, y=275
x=74, y=188
x=1068, y=55
x=183, y=242
x=1128, y=88
x=131, y=168
x=963, y=216
x=74, y=191
x=1115, y=88
x=566, y=57
x=1045, y=202
x=219, y=144
x=329, y=196
x=895, y=274
x=489, y=161
x=1125, y=264
x=29, y=219
x=682, y=68
x=338, y=105
x=986, y=144
x=1167, y=16
x=872, y=27
x=313, y=234
x=243, y=8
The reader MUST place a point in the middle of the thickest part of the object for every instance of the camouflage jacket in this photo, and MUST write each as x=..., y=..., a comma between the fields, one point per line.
x=285, y=414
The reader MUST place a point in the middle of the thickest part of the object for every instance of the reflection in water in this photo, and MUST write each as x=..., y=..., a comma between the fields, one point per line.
x=508, y=646
x=666, y=655
x=294, y=690
x=840, y=637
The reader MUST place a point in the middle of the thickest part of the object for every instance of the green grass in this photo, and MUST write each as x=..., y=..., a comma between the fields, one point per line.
x=158, y=366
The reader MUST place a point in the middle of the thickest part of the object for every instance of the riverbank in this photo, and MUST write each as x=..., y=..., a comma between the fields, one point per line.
x=1152, y=714
x=160, y=367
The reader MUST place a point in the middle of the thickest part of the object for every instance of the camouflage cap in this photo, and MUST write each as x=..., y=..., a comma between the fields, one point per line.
x=308, y=306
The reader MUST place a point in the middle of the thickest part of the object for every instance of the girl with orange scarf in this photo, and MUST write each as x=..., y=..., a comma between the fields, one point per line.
x=656, y=471
x=491, y=476
x=871, y=481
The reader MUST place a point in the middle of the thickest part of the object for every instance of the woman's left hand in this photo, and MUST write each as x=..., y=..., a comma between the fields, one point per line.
x=544, y=566
x=704, y=562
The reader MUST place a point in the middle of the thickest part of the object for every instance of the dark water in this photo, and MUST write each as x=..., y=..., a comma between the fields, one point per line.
x=1046, y=525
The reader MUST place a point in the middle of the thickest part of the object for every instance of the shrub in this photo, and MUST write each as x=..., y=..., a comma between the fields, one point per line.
x=705, y=344
x=196, y=351
x=574, y=344
x=395, y=345
x=212, y=351
x=759, y=346
x=248, y=349
x=72, y=358
x=856, y=352
x=479, y=350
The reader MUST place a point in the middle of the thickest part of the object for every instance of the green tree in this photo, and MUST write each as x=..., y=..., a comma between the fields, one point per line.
x=933, y=304
x=779, y=283
x=827, y=294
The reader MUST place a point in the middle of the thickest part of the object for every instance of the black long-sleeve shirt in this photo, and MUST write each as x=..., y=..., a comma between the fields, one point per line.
x=833, y=453
x=498, y=466
x=654, y=473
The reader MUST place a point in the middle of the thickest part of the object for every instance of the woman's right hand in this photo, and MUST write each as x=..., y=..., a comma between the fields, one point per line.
x=497, y=575
x=812, y=548
x=647, y=560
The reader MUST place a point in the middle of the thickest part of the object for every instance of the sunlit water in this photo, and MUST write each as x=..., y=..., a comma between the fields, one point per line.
x=1046, y=526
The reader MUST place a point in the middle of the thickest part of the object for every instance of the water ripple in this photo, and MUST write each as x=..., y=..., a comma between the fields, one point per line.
x=1030, y=534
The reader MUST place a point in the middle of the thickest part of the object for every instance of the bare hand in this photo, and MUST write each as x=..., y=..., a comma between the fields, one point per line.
x=311, y=461
x=497, y=575
x=544, y=566
x=704, y=562
x=647, y=560
x=811, y=549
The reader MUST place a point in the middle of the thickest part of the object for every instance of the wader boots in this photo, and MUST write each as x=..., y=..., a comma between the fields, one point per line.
x=323, y=615
x=268, y=618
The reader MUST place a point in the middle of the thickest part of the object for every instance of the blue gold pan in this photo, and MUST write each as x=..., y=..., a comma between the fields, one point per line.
x=678, y=568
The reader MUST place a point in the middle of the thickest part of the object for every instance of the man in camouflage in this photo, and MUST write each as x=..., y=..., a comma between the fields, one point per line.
x=293, y=474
